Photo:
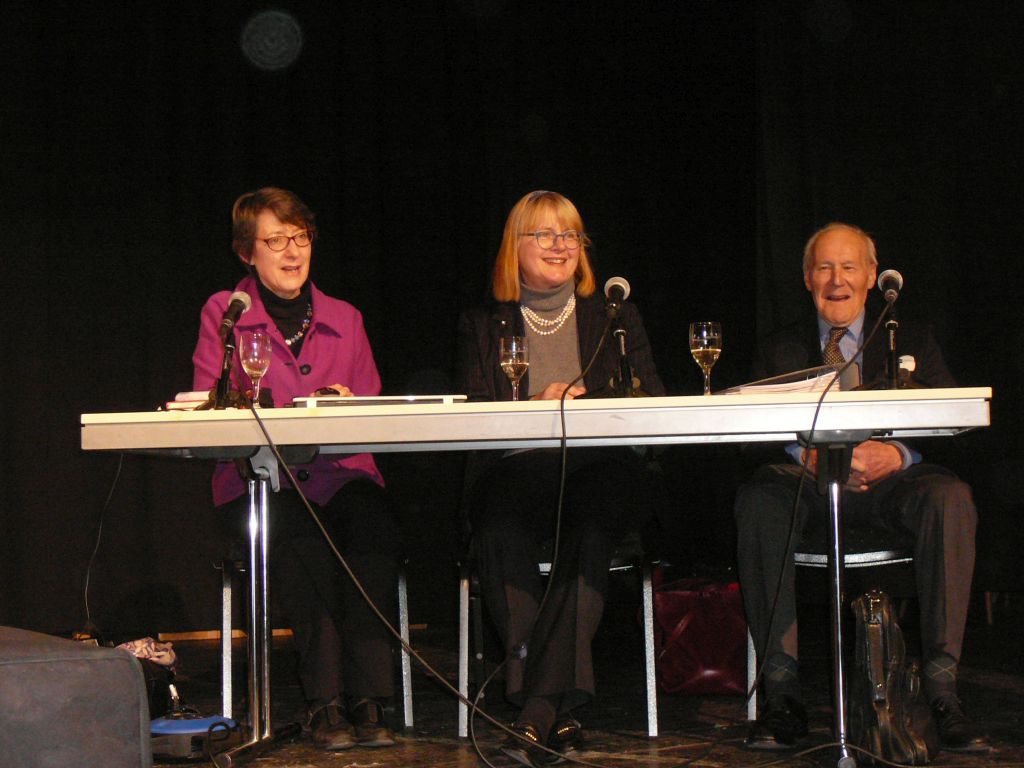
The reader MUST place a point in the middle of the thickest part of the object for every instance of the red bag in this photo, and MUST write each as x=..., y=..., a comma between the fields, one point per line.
x=700, y=637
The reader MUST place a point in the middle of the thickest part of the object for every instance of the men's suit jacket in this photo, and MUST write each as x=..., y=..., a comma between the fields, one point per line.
x=798, y=346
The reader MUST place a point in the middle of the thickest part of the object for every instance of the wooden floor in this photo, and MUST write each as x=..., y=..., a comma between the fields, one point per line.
x=699, y=731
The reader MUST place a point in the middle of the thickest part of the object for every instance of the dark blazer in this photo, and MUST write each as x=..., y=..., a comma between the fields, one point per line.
x=797, y=346
x=479, y=376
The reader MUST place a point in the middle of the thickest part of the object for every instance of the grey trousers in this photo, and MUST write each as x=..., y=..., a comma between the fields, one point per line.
x=924, y=504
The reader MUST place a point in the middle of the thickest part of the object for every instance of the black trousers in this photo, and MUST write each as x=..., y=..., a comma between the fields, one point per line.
x=924, y=504
x=512, y=518
x=344, y=651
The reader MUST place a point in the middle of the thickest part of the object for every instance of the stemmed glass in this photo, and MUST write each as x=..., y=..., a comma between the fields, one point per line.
x=706, y=346
x=515, y=359
x=254, y=349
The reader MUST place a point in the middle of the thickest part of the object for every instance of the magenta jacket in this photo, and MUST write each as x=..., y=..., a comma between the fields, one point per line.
x=335, y=350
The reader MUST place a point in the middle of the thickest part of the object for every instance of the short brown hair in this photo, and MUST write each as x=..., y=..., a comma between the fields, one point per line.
x=522, y=218
x=286, y=206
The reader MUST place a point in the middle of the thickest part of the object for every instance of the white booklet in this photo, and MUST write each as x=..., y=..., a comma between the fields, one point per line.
x=320, y=401
x=814, y=384
x=187, y=401
x=806, y=380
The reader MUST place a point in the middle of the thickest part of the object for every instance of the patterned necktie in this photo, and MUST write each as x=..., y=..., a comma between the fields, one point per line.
x=832, y=354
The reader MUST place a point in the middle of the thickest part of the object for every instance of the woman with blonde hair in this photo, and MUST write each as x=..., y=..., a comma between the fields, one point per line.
x=543, y=288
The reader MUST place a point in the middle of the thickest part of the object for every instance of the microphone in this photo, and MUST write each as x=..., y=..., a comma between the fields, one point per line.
x=616, y=291
x=890, y=283
x=238, y=304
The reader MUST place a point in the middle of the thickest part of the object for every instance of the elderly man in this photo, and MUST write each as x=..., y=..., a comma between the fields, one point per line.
x=889, y=489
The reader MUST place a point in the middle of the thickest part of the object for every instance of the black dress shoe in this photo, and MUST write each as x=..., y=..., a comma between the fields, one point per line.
x=782, y=724
x=371, y=730
x=330, y=729
x=957, y=733
x=566, y=738
x=520, y=749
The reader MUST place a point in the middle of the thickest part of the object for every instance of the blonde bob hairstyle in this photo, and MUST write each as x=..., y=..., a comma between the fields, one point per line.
x=872, y=252
x=523, y=218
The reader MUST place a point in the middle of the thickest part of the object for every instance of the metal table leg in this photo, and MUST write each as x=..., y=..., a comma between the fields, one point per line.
x=258, y=642
x=836, y=604
x=835, y=449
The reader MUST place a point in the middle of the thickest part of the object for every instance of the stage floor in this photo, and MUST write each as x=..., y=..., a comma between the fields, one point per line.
x=695, y=730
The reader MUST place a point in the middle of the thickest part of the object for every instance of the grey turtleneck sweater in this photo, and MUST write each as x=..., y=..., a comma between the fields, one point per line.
x=556, y=356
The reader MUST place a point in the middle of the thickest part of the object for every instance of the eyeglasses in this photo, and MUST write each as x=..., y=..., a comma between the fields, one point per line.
x=546, y=238
x=280, y=242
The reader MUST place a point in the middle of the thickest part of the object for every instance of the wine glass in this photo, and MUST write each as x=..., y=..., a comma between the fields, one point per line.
x=515, y=359
x=254, y=349
x=706, y=346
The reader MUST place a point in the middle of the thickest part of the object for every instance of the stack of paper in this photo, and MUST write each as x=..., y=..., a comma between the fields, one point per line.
x=812, y=384
x=186, y=401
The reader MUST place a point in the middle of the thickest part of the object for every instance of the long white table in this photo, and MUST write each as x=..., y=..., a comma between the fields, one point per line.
x=843, y=417
x=532, y=424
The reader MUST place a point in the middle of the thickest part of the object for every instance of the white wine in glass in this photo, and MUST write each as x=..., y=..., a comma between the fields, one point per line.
x=706, y=346
x=254, y=350
x=515, y=360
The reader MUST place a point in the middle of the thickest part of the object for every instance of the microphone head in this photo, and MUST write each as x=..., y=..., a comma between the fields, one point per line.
x=890, y=275
x=620, y=282
x=241, y=297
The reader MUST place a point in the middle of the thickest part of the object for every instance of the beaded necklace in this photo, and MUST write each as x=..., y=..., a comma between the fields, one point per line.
x=544, y=327
x=305, y=326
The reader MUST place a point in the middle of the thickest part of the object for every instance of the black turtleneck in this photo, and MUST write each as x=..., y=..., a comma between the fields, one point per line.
x=287, y=314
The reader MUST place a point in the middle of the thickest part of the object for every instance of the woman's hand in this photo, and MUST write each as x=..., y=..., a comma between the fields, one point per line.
x=341, y=389
x=554, y=390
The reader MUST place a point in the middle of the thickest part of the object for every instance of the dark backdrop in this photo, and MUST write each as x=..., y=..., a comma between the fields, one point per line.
x=702, y=141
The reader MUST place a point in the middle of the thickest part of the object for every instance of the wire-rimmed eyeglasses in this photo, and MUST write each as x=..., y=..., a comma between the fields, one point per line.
x=546, y=238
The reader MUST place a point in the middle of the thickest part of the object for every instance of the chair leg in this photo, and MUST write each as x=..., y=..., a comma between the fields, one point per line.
x=463, y=651
x=751, y=676
x=403, y=626
x=652, y=690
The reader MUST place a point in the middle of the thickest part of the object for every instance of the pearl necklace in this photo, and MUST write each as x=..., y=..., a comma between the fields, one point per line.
x=305, y=327
x=544, y=327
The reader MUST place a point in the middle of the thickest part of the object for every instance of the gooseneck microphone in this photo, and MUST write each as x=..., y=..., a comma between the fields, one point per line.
x=238, y=304
x=616, y=291
x=890, y=283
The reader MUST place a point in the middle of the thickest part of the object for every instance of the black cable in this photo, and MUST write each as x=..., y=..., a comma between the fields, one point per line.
x=89, y=626
x=791, y=538
x=563, y=446
x=564, y=449
x=373, y=607
x=474, y=704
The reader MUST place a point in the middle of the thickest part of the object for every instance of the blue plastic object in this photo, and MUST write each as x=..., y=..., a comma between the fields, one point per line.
x=171, y=726
x=192, y=737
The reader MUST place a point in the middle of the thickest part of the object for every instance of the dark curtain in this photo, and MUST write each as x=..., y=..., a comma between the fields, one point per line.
x=702, y=141
x=906, y=119
x=128, y=129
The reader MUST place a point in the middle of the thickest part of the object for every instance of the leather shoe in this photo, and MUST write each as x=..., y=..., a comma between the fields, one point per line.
x=957, y=733
x=330, y=729
x=782, y=724
x=371, y=730
x=566, y=738
x=519, y=748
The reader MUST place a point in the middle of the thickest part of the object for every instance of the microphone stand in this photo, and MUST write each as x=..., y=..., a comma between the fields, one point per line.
x=220, y=399
x=891, y=326
x=625, y=387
